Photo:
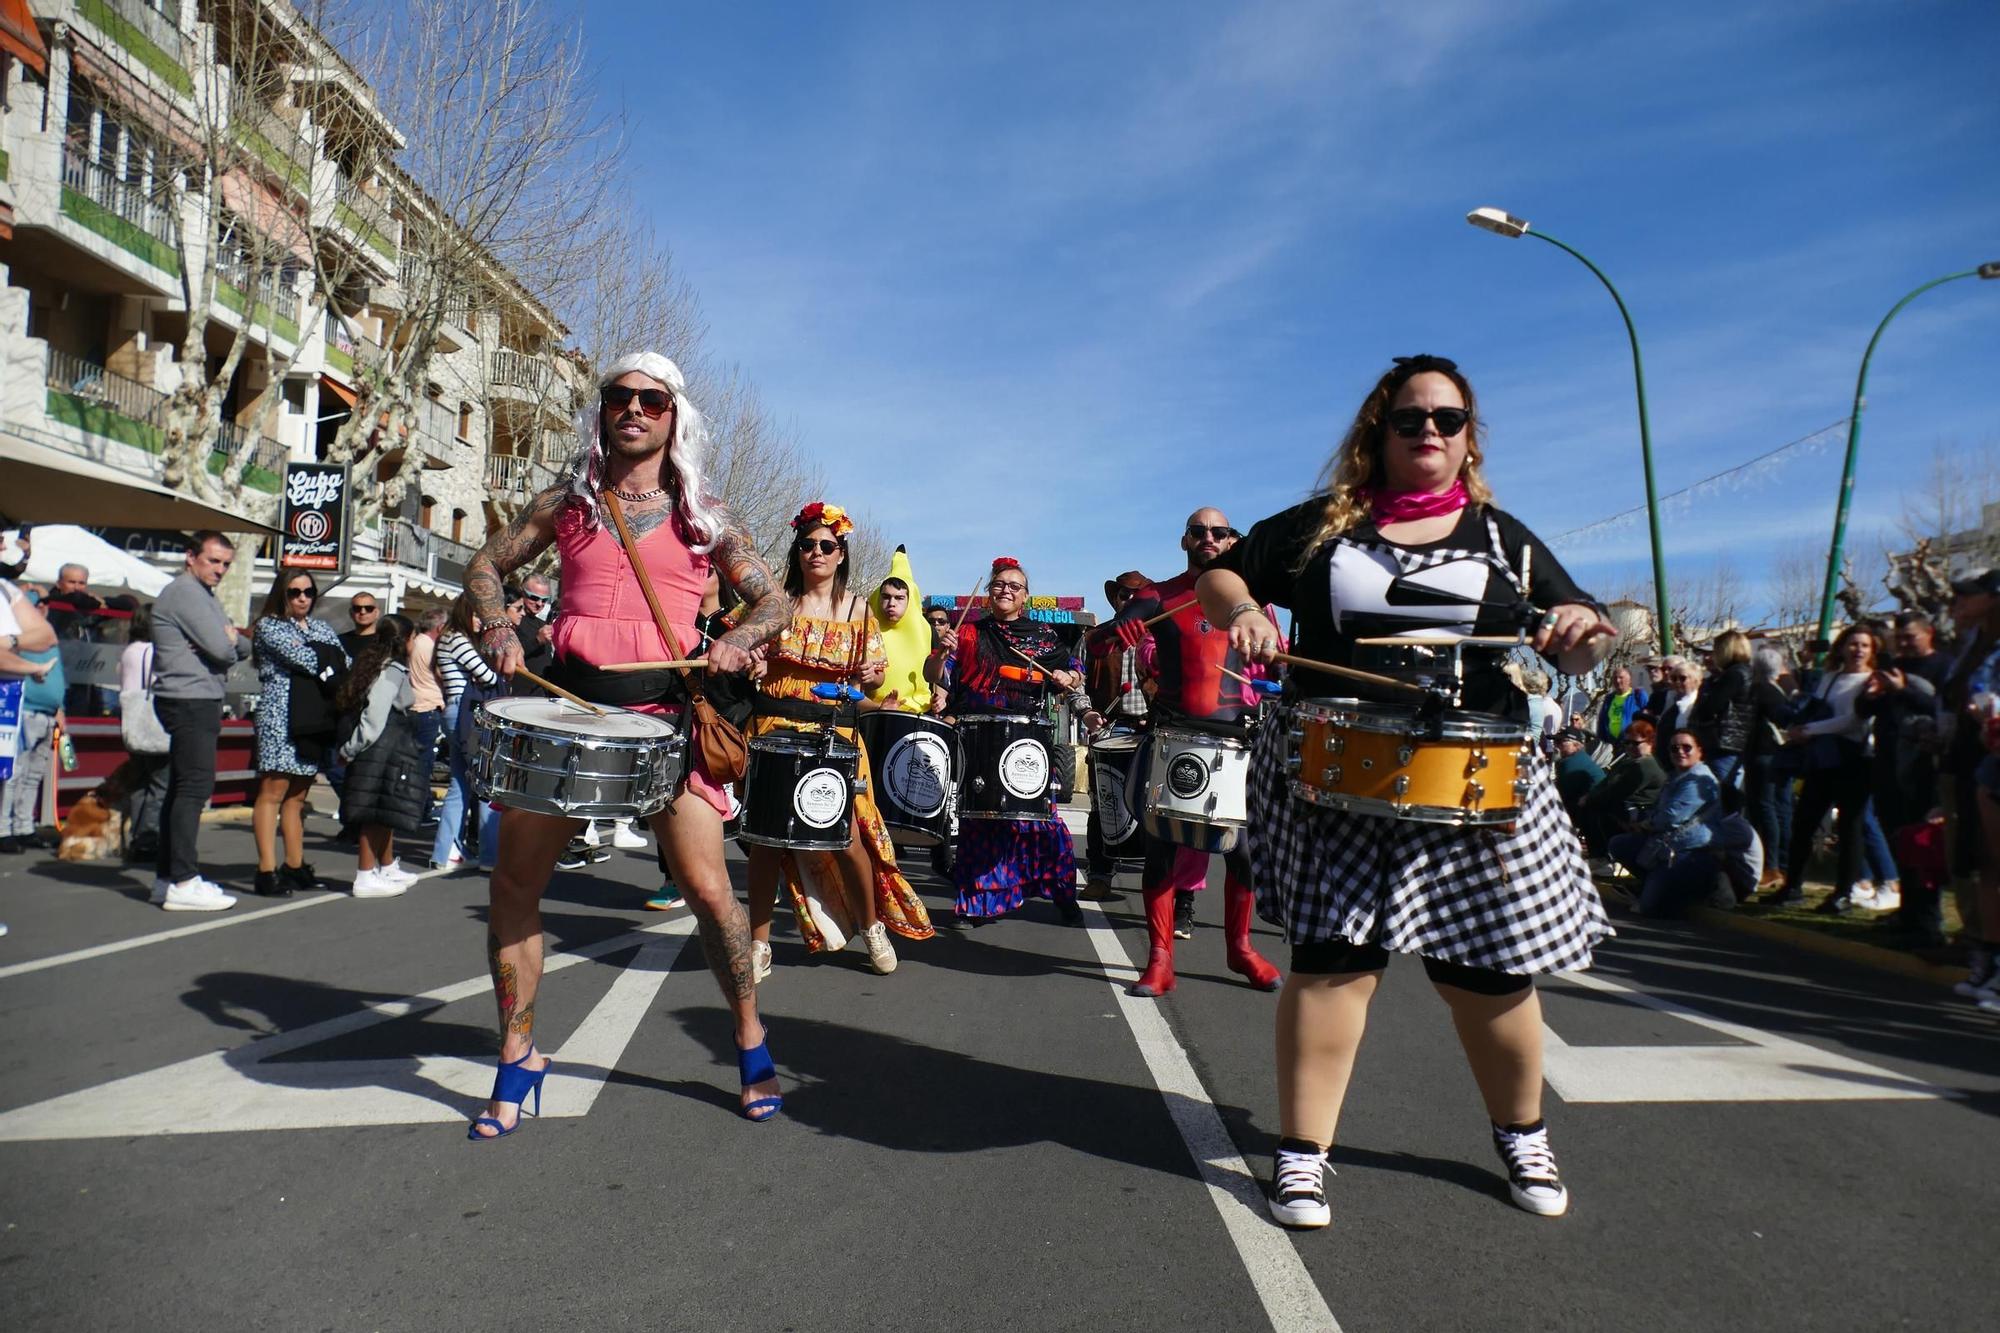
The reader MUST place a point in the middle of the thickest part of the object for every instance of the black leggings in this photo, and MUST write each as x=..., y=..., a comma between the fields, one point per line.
x=1338, y=957
x=1844, y=788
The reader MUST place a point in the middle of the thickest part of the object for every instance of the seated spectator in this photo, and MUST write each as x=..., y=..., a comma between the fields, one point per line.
x=1630, y=787
x=1576, y=771
x=1682, y=819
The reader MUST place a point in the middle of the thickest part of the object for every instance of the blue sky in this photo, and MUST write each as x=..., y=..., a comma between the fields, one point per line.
x=1039, y=279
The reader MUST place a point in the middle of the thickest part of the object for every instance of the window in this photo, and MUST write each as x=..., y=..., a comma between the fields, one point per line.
x=465, y=421
x=427, y=514
x=458, y=525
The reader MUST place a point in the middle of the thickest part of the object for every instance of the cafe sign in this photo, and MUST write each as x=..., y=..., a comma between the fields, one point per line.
x=313, y=533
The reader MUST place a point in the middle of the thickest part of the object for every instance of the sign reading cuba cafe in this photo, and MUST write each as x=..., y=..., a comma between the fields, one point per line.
x=313, y=530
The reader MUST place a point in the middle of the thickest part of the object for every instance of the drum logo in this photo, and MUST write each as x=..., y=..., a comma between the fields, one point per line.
x=1187, y=776
x=820, y=799
x=1114, y=815
x=917, y=774
x=1024, y=769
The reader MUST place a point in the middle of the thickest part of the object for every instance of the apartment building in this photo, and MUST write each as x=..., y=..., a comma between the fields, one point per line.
x=101, y=102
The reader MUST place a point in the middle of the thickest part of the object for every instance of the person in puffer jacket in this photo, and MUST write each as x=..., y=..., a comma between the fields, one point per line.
x=388, y=773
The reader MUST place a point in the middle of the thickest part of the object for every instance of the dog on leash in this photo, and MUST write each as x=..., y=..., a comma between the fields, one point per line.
x=95, y=828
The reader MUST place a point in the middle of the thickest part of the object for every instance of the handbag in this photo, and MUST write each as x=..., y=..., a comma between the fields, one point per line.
x=724, y=752
x=311, y=713
x=138, y=724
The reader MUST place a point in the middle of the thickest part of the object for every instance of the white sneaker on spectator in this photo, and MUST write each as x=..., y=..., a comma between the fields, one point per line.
x=196, y=895
x=372, y=884
x=590, y=837
x=624, y=836
x=1863, y=895
x=1889, y=898
x=1980, y=979
x=395, y=873
x=1991, y=1003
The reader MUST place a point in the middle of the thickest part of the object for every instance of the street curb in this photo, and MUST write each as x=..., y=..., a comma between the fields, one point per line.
x=1807, y=941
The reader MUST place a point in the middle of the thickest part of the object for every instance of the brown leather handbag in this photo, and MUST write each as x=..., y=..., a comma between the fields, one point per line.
x=725, y=754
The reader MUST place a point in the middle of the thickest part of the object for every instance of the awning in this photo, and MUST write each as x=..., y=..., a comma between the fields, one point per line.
x=19, y=37
x=39, y=484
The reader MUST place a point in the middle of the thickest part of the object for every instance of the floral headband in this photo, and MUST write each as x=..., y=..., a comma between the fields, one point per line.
x=1001, y=562
x=820, y=514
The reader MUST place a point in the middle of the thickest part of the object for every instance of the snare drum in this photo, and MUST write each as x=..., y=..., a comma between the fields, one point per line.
x=798, y=792
x=1111, y=763
x=554, y=758
x=914, y=759
x=1194, y=787
x=1401, y=762
x=1006, y=774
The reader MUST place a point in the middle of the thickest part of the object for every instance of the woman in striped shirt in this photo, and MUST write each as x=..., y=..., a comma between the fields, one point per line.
x=458, y=662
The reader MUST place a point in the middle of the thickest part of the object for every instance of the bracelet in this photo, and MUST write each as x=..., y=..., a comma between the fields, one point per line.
x=1236, y=611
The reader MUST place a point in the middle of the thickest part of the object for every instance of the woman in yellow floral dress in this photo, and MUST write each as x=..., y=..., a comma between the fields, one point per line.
x=832, y=638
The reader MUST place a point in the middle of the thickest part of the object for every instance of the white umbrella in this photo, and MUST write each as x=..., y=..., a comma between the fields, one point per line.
x=58, y=544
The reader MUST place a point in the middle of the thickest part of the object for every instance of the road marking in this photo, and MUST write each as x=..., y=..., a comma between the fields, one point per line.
x=1764, y=1068
x=230, y=918
x=241, y=1089
x=1291, y=1300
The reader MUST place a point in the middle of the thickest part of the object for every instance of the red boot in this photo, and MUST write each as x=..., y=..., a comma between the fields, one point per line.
x=1237, y=902
x=1159, y=977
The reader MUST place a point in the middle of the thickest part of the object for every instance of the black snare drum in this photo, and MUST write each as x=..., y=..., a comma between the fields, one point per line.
x=1111, y=762
x=799, y=791
x=914, y=760
x=1007, y=766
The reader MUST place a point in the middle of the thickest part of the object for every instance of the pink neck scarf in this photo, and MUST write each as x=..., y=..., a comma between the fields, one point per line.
x=1406, y=506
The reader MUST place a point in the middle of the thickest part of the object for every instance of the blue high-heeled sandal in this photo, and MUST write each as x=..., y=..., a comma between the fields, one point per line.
x=511, y=1086
x=753, y=1067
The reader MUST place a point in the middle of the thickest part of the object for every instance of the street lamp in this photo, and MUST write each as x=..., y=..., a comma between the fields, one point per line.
x=1839, y=550
x=1502, y=223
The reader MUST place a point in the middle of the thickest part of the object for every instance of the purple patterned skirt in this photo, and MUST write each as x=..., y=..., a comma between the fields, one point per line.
x=1002, y=863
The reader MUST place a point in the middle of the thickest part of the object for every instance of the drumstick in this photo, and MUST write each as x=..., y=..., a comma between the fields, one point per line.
x=556, y=690
x=1387, y=682
x=1168, y=615
x=966, y=610
x=684, y=664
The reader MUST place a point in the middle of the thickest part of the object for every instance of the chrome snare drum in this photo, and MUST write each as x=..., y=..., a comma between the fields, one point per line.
x=1399, y=761
x=798, y=792
x=554, y=758
x=1007, y=762
x=1195, y=786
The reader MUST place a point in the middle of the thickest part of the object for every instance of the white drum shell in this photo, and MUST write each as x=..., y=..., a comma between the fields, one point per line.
x=1194, y=788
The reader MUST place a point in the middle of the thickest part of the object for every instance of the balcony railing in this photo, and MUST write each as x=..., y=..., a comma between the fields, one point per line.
x=277, y=304
x=154, y=18
x=365, y=216
x=521, y=370
x=125, y=199
x=266, y=453
x=458, y=308
x=71, y=374
x=512, y=477
x=413, y=547
x=280, y=146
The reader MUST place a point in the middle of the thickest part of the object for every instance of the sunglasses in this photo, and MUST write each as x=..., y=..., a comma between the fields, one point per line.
x=533, y=600
x=824, y=545
x=364, y=610
x=1197, y=531
x=1408, y=422
x=1682, y=749
x=653, y=402
x=1006, y=585
x=298, y=592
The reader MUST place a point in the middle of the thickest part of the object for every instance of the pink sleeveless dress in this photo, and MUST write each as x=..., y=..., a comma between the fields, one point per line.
x=603, y=618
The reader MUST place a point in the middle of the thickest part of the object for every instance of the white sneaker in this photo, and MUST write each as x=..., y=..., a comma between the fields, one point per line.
x=881, y=956
x=590, y=837
x=1979, y=980
x=1531, y=1170
x=373, y=884
x=1863, y=896
x=196, y=895
x=760, y=961
x=395, y=874
x=1889, y=898
x=1298, y=1189
x=624, y=836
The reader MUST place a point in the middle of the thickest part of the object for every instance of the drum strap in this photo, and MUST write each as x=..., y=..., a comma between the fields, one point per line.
x=800, y=710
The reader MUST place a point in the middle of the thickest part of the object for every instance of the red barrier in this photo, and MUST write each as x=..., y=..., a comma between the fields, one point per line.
x=100, y=749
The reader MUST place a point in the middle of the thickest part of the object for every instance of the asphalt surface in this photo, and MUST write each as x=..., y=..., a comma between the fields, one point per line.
x=977, y=1141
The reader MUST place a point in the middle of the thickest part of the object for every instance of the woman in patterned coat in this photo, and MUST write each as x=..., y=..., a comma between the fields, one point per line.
x=293, y=652
x=1486, y=908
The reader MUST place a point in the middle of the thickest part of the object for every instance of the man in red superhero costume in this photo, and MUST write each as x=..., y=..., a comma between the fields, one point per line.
x=1190, y=658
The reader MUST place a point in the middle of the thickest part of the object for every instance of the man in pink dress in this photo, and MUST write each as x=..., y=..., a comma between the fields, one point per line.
x=648, y=446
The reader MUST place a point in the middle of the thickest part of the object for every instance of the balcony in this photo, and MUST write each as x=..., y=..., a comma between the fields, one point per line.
x=521, y=370
x=267, y=455
x=277, y=305
x=120, y=211
x=437, y=558
x=366, y=219
x=279, y=146
x=341, y=348
x=530, y=380
x=512, y=479
x=148, y=34
x=100, y=402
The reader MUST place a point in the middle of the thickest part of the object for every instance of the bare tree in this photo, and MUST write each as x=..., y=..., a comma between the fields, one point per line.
x=1793, y=590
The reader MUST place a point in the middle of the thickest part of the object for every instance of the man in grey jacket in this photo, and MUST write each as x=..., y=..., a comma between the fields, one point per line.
x=194, y=645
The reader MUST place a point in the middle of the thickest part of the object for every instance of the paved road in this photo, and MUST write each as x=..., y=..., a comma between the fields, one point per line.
x=258, y=1123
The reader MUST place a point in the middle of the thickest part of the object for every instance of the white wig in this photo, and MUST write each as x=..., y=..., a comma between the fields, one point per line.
x=687, y=453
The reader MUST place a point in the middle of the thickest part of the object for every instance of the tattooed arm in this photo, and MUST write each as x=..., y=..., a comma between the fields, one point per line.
x=767, y=606
x=526, y=537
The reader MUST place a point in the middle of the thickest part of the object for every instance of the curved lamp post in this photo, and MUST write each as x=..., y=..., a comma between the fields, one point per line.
x=1502, y=223
x=1839, y=549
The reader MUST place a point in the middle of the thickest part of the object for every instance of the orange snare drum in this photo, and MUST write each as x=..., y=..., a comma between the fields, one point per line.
x=1398, y=761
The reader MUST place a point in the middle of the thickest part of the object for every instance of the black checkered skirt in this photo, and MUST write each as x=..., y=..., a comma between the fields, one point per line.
x=1516, y=899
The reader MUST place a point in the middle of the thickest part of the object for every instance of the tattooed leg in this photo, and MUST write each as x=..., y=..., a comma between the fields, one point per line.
x=529, y=844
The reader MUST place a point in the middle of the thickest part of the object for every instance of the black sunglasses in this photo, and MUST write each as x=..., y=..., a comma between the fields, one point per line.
x=1408, y=422
x=1197, y=531
x=824, y=545
x=299, y=592
x=364, y=610
x=653, y=402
